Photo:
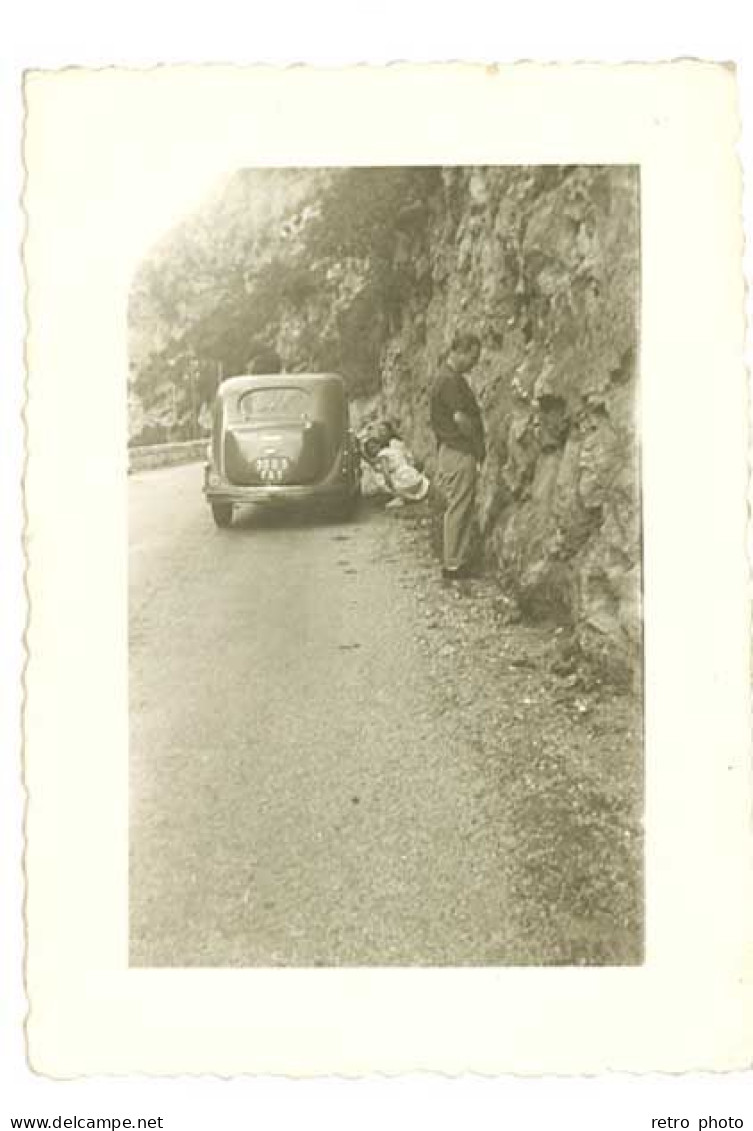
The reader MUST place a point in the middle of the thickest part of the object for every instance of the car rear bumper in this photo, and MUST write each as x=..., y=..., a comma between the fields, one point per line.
x=335, y=488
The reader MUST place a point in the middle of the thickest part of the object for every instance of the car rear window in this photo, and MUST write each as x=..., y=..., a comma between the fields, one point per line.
x=286, y=400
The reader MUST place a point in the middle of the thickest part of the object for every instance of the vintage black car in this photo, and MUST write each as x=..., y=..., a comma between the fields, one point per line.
x=283, y=438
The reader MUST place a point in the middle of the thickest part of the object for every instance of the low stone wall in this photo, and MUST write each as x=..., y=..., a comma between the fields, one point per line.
x=164, y=455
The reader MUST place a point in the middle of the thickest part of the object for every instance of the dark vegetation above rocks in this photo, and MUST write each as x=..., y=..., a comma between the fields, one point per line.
x=369, y=272
x=302, y=259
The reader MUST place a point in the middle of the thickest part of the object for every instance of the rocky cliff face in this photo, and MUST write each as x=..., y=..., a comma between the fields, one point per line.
x=542, y=263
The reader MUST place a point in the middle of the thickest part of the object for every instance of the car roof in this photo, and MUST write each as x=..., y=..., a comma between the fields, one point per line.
x=269, y=380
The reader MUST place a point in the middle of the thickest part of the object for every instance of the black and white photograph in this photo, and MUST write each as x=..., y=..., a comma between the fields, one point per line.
x=385, y=658
x=386, y=705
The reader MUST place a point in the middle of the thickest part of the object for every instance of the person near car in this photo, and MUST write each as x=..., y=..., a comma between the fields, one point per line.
x=458, y=426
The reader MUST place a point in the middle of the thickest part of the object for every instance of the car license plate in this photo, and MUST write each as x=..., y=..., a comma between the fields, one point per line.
x=272, y=469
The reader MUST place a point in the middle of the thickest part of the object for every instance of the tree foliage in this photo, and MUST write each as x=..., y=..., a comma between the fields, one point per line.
x=299, y=258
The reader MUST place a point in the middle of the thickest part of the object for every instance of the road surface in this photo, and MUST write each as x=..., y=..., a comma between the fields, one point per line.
x=334, y=761
x=294, y=798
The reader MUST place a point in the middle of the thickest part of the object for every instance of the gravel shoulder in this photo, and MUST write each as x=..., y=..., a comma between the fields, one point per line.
x=561, y=757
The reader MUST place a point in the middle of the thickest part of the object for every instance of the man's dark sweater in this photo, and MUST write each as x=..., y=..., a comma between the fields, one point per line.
x=451, y=393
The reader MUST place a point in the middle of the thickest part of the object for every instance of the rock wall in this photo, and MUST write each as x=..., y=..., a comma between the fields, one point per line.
x=544, y=265
x=541, y=262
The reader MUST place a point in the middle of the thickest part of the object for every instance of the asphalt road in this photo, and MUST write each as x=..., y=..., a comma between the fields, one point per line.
x=297, y=797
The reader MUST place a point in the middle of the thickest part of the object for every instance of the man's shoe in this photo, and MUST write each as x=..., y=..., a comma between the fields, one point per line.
x=462, y=573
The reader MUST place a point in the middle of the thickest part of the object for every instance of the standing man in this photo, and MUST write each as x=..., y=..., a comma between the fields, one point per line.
x=457, y=424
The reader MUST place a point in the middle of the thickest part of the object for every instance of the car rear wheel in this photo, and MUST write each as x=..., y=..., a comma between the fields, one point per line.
x=222, y=513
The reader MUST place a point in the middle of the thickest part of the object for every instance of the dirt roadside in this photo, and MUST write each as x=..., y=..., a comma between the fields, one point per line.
x=565, y=751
